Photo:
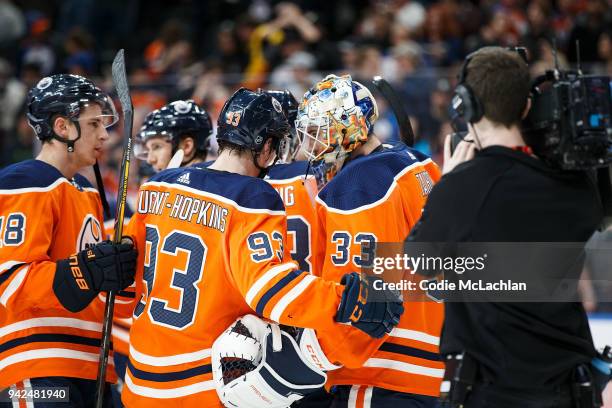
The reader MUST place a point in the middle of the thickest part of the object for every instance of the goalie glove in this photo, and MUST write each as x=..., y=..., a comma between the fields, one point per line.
x=102, y=267
x=258, y=365
x=375, y=312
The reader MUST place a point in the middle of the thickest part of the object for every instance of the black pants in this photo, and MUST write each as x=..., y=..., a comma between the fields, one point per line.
x=486, y=395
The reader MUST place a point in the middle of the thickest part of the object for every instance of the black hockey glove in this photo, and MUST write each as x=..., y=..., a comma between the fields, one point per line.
x=102, y=267
x=374, y=314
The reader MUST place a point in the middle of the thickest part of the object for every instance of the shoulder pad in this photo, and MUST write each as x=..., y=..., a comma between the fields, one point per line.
x=248, y=192
x=28, y=174
x=366, y=180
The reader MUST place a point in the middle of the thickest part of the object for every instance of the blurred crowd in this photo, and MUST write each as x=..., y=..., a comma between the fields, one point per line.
x=204, y=50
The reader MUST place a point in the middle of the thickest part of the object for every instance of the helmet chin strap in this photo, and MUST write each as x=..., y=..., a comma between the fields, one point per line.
x=69, y=142
x=263, y=171
x=70, y=147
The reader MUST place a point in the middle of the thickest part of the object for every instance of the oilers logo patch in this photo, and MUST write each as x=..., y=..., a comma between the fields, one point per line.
x=90, y=233
x=181, y=106
x=277, y=106
x=44, y=83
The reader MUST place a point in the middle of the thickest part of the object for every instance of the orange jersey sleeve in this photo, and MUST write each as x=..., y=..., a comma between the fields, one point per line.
x=211, y=249
x=43, y=218
x=379, y=198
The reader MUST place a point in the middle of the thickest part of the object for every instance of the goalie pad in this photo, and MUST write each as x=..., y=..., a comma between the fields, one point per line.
x=258, y=365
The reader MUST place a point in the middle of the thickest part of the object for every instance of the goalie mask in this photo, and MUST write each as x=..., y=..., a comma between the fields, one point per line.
x=334, y=118
x=271, y=372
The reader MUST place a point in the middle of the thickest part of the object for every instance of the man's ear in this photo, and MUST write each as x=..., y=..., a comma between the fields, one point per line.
x=527, y=107
x=267, y=147
x=188, y=146
x=60, y=126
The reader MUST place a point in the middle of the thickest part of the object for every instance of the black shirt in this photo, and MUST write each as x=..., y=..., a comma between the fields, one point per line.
x=503, y=195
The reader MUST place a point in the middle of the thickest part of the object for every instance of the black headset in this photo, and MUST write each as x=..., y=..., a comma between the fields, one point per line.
x=465, y=104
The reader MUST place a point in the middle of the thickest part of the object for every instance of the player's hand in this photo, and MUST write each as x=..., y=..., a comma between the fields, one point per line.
x=466, y=150
x=102, y=267
x=374, y=315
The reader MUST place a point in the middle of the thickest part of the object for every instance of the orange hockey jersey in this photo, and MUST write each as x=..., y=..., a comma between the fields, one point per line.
x=211, y=249
x=379, y=198
x=298, y=193
x=45, y=217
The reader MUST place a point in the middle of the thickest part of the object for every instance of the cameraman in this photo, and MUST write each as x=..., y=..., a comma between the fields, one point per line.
x=514, y=354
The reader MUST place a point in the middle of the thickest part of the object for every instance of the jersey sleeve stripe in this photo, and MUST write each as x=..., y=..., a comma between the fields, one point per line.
x=265, y=279
x=169, y=376
x=352, y=399
x=13, y=285
x=278, y=286
x=49, y=353
x=367, y=397
x=7, y=273
x=171, y=360
x=50, y=338
x=290, y=296
x=121, y=333
x=9, y=265
x=415, y=335
x=167, y=393
x=404, y=367
x=50, y=322
x=409, y=351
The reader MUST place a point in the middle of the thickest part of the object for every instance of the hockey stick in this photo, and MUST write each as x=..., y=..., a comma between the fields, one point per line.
x=101, y=190
x=405, y=127
x=120, y=80
x=176, y=160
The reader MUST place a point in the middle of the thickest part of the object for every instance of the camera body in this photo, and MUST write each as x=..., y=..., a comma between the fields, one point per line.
x=569, y=124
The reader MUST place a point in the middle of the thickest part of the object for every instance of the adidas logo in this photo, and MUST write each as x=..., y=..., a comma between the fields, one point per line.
x=183, y=178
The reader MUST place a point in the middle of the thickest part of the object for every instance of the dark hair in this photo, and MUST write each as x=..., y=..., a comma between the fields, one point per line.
x=499, y=78
x=199, y=153
x=231, y=147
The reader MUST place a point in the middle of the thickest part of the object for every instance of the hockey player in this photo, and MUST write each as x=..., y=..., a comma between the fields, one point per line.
x=212, y=244
x=51, y=334
x=374, y=193
x=180, y=125
x=297, y=189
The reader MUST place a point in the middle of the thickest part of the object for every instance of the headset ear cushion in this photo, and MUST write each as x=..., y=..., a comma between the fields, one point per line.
x=462, y=103
x=466, y=104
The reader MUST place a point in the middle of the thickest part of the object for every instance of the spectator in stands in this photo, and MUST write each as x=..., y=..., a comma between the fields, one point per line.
x=80, y=59
x=170, y=51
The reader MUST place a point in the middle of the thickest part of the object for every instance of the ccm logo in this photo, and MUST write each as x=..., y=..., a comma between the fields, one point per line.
x=314, y=357
x=259, y=394
x=77, y=274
